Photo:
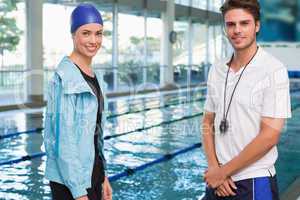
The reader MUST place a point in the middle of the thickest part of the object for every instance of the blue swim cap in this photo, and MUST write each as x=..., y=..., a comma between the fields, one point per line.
x=84, y=13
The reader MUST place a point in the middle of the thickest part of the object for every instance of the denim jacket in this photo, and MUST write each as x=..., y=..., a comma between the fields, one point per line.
x=70, y=124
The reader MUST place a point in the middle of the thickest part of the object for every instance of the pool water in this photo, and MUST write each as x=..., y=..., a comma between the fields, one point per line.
x=179, y=178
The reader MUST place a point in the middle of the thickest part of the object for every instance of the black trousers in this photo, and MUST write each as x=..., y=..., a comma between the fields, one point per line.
x=61, y=192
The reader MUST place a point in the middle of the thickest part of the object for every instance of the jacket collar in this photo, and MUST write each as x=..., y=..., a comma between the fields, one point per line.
x=71, y=77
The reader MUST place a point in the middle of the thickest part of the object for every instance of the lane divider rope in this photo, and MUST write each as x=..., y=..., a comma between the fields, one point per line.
x=130, y=171
x=40, y=154
x=39, y=129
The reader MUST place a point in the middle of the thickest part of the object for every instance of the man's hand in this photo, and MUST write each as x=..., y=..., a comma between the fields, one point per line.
x=83, y=198
x=215, y=176
x=226, y=189
x=107, y=191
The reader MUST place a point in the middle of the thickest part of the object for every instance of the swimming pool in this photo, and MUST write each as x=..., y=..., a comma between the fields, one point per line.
x=178, y=178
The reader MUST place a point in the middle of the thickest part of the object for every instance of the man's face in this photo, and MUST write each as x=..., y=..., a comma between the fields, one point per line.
x=240, y=28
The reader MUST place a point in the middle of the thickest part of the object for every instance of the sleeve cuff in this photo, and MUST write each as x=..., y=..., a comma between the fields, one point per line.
x=281, y=116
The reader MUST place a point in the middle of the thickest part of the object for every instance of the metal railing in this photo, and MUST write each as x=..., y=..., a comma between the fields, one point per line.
x=12, y=81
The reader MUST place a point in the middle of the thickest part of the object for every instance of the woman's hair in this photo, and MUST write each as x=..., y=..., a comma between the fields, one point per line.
x=252, y=6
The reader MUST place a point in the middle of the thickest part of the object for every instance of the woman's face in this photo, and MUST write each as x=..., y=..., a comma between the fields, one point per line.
x=87, y=39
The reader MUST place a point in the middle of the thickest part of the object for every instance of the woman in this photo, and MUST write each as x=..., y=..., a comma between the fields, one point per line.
x=75, y=116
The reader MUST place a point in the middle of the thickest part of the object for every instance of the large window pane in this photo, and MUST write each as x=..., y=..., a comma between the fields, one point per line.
x=103, y=59
x=279, y=20
x=215, y=43
x=215, y=5
x=183, y=2
x=55, y=33
x=180, y=52
x=198, y=52
x=131, y=51
x=12, y=46
x=202, y=4
x=154, y=33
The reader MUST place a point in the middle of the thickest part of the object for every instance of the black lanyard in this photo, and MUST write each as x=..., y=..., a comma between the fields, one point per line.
x=224, y=125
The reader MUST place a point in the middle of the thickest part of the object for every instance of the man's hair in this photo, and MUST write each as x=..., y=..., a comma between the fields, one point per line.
x=252, y=6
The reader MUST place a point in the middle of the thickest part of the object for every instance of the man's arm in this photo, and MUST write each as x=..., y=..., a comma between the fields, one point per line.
x=270, y=129
x=267, y=138
x=208, y=139
x=210, y=151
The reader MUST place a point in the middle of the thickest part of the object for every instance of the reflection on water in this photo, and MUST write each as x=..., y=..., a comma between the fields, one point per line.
x=177, y=179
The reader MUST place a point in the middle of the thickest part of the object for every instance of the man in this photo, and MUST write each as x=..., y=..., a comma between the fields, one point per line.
x=247, y=103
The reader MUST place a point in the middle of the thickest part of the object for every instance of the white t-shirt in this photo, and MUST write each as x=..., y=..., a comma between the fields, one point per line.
x=263, y=91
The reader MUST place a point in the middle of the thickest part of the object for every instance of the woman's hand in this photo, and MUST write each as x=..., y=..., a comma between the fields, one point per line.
x=107, y=191
x=83, y=198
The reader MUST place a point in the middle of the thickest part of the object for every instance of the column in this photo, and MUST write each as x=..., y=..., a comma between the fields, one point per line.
x=166, y=69
x=34, y=51
x=145, y=44
x=207, y=57
x=115, y=46
x=190, y=45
